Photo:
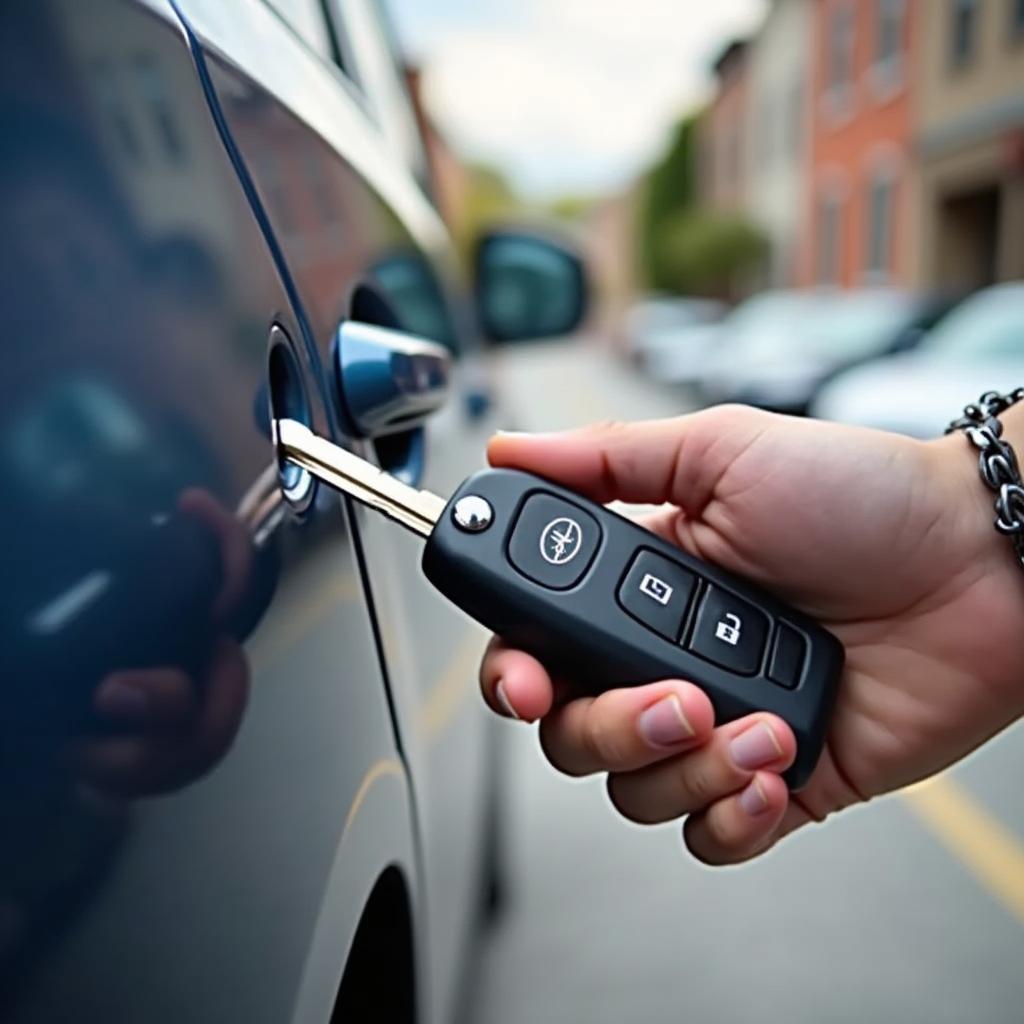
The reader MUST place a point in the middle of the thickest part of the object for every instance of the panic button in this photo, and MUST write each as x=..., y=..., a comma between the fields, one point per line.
x=730, y=632
x=553, y=542
x=657, y=592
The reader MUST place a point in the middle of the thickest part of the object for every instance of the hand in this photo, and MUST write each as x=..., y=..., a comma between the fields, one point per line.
x=885, y=540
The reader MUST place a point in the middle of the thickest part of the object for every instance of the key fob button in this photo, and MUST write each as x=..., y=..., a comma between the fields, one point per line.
x=786, y=664
x=657, y=592
x=553, y=541
x=729, y=632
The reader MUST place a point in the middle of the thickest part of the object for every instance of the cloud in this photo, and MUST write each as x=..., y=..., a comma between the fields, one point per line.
x=569, y=94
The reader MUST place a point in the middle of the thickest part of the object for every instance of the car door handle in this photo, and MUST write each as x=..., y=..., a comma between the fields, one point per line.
x=388, y=381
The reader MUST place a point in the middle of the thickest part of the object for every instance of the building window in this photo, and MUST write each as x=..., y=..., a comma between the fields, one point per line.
x=830, y=213
x=888, y=31
x=764, y=130
x=795, y=119
x=963, y=31
x=157, y=98
x=1017, y=19
x=840, y=49
x=110, y=95
x=837, y=99
x=732, y=162
x=879, y=207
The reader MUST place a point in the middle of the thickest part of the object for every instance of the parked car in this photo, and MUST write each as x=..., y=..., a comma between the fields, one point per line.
x=246, y=776
x=978, y=347
x=780, y=359
x=660, y=324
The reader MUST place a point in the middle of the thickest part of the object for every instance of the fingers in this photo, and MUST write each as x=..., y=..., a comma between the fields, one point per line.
x=739, y=826
x=146, y=697
x=623, y=730
x=723, y=766
x=515, y=684
x=678, y=460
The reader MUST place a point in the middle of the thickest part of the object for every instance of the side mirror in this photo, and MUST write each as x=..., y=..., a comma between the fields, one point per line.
x=527, y=287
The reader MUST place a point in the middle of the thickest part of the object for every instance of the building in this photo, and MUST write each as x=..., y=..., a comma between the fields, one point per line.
x=970, y=143
x=861, y=186
x=448, y=177
x=778, y=132
x=722, y=134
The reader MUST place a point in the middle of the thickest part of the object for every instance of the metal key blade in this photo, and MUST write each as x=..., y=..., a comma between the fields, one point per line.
x=415, y=510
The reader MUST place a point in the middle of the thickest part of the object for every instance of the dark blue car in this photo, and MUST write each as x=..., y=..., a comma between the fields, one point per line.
x=244, y=773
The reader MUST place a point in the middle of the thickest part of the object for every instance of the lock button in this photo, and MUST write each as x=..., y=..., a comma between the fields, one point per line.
x=729, y=632
x=657, y=593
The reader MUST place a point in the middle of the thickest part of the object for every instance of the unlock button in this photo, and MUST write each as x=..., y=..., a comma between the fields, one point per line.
x=729, y=632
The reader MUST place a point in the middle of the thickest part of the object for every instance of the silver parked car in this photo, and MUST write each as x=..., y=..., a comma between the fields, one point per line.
x=779, y=358
x=661, y=327
x=977, y=347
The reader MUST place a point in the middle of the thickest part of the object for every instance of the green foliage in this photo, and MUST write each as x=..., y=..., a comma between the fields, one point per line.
x=682, y=247
x=670, y=188
x=571, y=207
x=702, y=252
x=489, y=199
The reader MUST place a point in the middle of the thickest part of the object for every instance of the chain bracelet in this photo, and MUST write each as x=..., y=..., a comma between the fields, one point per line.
x=997, y=462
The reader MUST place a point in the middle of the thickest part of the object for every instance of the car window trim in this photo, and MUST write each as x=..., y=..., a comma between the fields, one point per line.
x=253, y=38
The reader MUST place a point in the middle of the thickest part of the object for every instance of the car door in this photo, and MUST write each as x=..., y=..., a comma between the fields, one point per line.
x=362, y=243
x=201, y=779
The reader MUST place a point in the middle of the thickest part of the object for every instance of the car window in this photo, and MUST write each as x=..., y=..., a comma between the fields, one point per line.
x=382, y=79
x=989, y=325
x=323, y=35
x=306, y=18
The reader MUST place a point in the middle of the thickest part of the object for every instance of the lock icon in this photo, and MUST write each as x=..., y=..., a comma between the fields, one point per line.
x=728, y=629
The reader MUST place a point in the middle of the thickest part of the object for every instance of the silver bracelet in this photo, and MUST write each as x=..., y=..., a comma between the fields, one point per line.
x=997, y=461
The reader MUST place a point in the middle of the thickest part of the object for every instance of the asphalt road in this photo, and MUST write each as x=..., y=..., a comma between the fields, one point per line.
x=910, y=910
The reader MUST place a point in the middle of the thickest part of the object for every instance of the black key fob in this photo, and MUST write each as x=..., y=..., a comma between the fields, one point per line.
x=604, y=602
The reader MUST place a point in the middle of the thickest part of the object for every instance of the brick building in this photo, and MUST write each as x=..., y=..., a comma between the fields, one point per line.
x=722, y=134
x=861, y=186
x=778, y=133
x=970, y=143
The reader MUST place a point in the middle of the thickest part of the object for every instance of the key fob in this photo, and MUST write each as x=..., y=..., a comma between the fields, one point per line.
x=606, y=603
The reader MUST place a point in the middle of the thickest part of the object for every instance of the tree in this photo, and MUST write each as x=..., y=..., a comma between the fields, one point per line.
x=707, y=253
x=670, y=188
x=488, y=198
x=681, y=246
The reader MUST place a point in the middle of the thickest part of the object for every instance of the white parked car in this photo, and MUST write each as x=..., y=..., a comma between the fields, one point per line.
x=662, y=324
x=978, y=347
x=689, y=358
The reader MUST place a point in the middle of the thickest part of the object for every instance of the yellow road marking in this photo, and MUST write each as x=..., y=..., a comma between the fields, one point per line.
x=453, y=685
x=986, y=847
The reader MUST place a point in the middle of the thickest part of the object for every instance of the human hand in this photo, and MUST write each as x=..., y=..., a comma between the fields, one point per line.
x=885, y=540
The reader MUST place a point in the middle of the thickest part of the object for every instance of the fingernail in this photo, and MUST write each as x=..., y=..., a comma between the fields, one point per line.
x=122, y=700
x=755, y=748
x=663, y=724
x=753, y=800
x=506, y=704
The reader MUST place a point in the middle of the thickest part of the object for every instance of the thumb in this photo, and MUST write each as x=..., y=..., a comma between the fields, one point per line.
x=677, y=460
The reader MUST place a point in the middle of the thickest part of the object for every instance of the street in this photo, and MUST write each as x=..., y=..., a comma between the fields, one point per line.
x=910, y=910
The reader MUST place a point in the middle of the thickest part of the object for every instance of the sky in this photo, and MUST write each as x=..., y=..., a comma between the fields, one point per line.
x=566, y=96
